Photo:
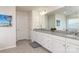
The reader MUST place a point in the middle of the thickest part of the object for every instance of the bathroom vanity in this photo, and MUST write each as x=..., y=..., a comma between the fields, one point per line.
x=65, y=37
x=56, y=41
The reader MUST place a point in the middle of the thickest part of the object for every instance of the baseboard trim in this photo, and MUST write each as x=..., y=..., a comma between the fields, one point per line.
x=8, y=47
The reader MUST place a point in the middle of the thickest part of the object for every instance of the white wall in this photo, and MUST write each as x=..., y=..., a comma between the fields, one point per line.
x=8, y=34
x=23, y=25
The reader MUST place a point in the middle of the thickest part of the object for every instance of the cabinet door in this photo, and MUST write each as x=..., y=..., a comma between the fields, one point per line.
x=36, y=36
x=72, y=48
x=48, y=43
x=58, y=46
x=33, y=36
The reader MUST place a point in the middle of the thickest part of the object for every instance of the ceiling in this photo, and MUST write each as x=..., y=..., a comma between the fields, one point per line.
x=26, y=8
x=30, y=8
x=67, y=10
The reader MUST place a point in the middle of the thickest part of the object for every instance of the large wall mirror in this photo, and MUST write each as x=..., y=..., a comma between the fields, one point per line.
x=64, y=19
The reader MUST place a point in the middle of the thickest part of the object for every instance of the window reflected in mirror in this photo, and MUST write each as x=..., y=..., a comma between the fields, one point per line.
x=66, y=18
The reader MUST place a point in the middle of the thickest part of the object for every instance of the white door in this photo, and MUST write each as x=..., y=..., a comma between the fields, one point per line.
x=22, y=25
x=72, y=48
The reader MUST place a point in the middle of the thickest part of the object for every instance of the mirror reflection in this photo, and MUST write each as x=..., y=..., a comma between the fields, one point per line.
x=64, y=19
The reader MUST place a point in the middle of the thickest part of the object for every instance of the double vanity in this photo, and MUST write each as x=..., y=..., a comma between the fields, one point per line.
x=57, y=41
x=62, y=35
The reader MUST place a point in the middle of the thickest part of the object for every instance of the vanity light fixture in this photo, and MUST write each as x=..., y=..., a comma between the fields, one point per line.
x=43, y=12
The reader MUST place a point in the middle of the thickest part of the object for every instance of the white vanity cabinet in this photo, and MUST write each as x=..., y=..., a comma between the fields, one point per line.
x=34, y=36
x=44, y=39
x=72, y=46
x=56, y=44
x=51, y=42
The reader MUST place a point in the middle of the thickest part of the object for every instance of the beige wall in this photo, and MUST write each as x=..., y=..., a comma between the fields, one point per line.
x=8, y=34
x=23, y=25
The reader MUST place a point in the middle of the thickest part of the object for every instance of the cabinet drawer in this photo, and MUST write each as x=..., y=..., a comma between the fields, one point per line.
x=71, y=48
x=72, y=41
x=58, y=38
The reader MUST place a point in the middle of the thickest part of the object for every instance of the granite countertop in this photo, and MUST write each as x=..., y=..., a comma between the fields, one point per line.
x=59, y=33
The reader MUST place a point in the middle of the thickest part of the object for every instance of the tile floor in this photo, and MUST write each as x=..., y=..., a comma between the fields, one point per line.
x=23, y=46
